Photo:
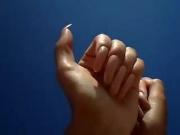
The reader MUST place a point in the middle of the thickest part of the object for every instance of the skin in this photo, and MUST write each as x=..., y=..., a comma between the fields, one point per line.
x=154, y=121
x=83, y=84
x=102, y=88
x=152, y=100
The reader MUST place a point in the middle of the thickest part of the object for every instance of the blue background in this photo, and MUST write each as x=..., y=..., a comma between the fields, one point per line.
x=31, y=101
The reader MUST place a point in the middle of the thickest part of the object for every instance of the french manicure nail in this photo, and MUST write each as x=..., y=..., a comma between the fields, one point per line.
x=65, y=28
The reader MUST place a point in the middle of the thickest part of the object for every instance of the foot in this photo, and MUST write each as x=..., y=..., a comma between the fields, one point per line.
x=94, y=111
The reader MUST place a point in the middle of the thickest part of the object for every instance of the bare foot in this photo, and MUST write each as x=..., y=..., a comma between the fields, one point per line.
x=94, y=111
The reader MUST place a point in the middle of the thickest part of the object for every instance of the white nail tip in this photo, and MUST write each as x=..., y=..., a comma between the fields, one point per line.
x=69, y=25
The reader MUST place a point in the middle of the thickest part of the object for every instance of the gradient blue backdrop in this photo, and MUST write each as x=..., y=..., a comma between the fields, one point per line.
x=31, y=101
